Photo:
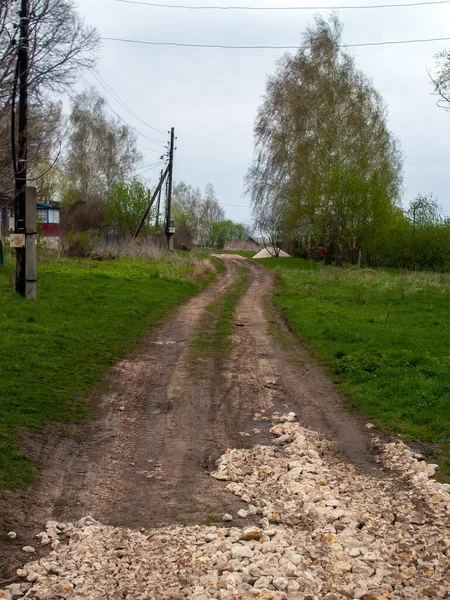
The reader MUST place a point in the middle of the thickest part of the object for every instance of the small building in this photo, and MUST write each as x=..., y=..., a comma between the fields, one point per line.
x=48, y=218
x=249, y=244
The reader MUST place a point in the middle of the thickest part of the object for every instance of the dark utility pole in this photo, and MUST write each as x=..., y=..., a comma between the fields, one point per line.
x=21, y=174
x=169, y=228
x=158, y=204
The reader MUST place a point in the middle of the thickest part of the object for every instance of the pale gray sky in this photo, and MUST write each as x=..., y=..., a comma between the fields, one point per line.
x=211, y=95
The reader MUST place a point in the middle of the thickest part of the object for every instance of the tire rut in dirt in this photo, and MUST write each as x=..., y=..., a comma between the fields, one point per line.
x=284, y=377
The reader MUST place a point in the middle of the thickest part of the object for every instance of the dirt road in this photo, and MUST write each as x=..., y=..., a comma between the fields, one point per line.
x=161, y=424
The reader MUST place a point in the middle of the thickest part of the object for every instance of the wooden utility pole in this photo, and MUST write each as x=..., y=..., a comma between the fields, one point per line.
x=158, y=205
x=21, y=173
x=150, y=202
x=169, y=226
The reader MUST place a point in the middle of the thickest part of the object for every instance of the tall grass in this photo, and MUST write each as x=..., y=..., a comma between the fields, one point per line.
x=385, y=337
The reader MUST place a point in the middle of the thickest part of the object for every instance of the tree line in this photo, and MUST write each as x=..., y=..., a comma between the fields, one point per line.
x=89, y=161
x=327, y=173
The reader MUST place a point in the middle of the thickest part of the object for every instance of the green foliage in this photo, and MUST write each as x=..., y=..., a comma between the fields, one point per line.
x=79, y=244
x=213, y=339
x=87, y=316
x=390, y=354
x=417, y=238
x=326, y=164
x=126, y=204
x=222, y=232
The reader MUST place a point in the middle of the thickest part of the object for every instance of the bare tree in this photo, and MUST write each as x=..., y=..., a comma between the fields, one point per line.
x=196, y=212
x=441, y=80
x=60, y=44
x=270, y=223
x=44, y=143
x=101, y=151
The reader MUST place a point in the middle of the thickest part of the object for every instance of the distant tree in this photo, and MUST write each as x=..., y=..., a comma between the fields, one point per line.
x=424, y=210
x=210, y=212
x=222, y=232
x=195, y=212
x=271, y=226
x=101, y=151
x=441, y=79
x=323, y=152
x=126, y=204
x=428, y=233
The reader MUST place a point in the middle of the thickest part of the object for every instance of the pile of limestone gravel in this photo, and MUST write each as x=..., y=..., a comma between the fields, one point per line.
x=325, y=531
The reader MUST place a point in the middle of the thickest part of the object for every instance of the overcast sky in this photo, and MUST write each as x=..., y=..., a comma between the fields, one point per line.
x=211, y=95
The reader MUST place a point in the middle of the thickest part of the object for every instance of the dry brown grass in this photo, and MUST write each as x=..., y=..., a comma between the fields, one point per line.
x=169, y=265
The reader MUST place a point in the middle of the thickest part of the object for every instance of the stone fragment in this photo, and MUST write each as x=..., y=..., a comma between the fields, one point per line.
x=262, y=582
x=280, y=583
x=251, y=533
x=239, y=551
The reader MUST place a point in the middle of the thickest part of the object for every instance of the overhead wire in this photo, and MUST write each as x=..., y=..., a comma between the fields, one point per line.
x=150, y=149
x=145, y=136
x=282, y=8
x=270, y=47
x=124, y=105
x=159, y=162
x=151, y=169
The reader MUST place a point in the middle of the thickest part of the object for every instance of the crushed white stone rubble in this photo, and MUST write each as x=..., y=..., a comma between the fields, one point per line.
x=326, y=532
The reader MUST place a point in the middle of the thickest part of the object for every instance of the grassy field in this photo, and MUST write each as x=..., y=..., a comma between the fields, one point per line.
x=385, y=337
x=87, y=316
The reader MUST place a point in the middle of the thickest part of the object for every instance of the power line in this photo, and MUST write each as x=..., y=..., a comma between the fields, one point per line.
x=267, y=47
x=151, y=149
x=234, y=205
x=156, y=166
x=146, y=137
x=118, y=99
x=281, y=8
x=159, y=162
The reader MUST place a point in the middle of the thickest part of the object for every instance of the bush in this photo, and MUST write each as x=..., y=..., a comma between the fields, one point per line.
x=79, y=244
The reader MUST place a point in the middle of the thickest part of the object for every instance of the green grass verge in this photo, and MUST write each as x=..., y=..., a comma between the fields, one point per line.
x=216, y=326
x=218, y=264
x=385, y=337
x=88, y=315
